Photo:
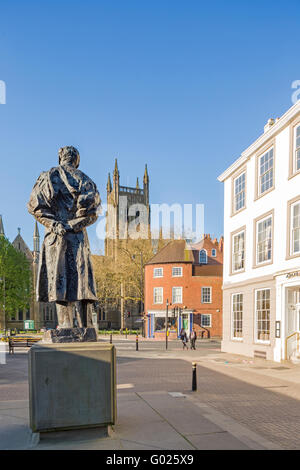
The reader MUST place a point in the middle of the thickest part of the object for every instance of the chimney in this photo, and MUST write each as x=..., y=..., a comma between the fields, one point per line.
x=221, y=242
x=269, y=124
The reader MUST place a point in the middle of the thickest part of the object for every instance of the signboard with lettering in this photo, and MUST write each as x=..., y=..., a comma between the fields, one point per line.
x=293, y=274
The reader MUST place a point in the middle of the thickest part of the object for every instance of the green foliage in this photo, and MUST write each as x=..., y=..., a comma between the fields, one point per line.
x=15, y=279
x=118, y=332
x=128, y=270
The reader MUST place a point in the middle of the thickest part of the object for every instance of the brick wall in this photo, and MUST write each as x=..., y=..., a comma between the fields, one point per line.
x=191, y=291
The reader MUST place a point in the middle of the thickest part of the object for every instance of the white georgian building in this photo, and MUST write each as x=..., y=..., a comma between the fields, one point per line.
x=261, y=277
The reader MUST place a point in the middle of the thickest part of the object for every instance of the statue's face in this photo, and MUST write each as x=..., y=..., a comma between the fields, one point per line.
x=71, y=157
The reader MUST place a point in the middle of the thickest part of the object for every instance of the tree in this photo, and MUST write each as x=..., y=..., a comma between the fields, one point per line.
x=15, y=279
x=127, y=269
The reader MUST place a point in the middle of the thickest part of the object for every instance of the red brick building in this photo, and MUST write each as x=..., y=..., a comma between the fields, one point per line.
x=190, y=279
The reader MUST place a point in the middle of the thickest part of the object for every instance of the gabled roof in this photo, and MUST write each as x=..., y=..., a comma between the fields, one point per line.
x=174, y=252
x=179, y=251
x=20, y=245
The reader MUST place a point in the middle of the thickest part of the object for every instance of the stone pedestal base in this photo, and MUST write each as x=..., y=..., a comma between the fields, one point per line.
x=72, y=386
x=70, y=335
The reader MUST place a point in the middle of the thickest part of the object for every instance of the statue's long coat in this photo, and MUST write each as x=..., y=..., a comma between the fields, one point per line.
x=65, y=195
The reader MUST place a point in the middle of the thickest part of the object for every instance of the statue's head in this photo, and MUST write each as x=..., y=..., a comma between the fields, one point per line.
x=69, y=156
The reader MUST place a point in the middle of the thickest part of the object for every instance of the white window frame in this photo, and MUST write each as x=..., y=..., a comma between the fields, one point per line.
x=174, y=299
x=269, y=170
x=292, y=251
x=155, y=271
x=214, y=253
x=210, y=322
x=242, y=191
x=178, y=268
x=234, y=321
x=155, y=289
x=233, y=252
x=202, y=251
x=296, y=148
x=262, y=341
x=258, y=263
x=210, y=295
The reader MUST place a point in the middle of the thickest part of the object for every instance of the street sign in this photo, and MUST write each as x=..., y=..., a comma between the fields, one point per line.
x=28, y=324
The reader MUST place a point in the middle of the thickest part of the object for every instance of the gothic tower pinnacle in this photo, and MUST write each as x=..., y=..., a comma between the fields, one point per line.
x=2, y=234
x=108, y=186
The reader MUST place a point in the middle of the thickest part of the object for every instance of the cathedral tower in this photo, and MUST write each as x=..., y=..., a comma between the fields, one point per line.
x=126, y=206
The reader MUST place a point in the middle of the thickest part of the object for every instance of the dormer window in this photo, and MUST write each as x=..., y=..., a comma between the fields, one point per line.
x=203, y=257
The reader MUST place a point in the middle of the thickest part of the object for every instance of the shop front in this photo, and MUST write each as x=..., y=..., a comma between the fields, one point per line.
x=156, y=323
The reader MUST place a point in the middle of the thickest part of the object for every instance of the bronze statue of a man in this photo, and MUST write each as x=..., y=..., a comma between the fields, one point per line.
x=66, y=201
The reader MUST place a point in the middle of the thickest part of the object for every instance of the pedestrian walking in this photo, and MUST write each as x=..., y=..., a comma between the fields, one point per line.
x=193, y=338
x=184, y=338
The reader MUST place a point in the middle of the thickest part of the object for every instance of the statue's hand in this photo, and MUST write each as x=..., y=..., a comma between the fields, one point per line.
x=59, y=229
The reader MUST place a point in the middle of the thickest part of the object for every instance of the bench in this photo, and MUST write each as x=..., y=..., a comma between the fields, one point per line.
x=21, y=342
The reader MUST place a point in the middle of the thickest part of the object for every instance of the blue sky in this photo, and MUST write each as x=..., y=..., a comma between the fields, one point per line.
x=183, y=86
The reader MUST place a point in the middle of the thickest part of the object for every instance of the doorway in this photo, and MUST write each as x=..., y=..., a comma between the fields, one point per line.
x=292, y=335
x=185, y=322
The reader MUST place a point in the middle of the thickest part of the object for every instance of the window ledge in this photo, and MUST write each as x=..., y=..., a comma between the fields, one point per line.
x=260, y=265
x=259, y=196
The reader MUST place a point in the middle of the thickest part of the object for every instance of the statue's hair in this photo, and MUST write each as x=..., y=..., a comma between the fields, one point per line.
x=69, y=155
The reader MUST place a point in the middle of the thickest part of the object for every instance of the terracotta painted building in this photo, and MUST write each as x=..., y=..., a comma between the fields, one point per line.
x=190, y=279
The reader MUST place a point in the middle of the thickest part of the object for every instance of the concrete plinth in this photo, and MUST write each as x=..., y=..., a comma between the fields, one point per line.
x=72, y=386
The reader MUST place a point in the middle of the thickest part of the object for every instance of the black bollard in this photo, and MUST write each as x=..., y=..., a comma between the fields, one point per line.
x=194, y=379
x=110, y=338
x=137, y=343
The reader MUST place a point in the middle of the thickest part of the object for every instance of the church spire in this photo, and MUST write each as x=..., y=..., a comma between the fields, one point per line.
x=116, y=171
x=146, y=176
x=137, y=183
x=1, y=227
x=36, y=230
x=36, y=239
x=108, y=186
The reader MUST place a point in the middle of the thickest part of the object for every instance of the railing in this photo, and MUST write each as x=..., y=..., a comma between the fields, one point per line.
x=126, y=189
x=296, y=334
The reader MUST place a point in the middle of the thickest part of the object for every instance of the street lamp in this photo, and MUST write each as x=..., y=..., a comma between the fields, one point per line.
x=167, y=320
x=4, y=312
x=141, y=285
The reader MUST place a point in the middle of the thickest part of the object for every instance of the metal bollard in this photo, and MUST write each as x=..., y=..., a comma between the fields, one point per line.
x=194, y=378
x=110, y=338
x=137, y=343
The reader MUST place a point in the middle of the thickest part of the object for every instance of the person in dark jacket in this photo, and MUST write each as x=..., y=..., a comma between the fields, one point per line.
x=193, y=338
x=184, y=338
